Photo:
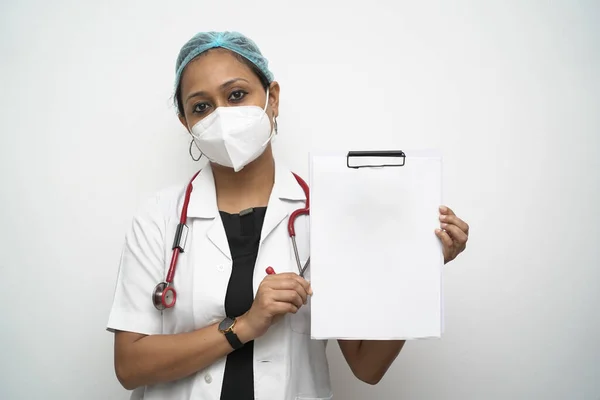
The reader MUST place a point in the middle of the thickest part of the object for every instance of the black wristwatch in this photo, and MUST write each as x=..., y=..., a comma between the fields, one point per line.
x=226, y=328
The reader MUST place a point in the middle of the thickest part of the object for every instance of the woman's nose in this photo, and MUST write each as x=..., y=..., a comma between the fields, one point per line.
x=221, y=103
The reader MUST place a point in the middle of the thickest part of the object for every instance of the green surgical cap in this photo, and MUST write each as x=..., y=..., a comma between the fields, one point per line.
x=233, y=41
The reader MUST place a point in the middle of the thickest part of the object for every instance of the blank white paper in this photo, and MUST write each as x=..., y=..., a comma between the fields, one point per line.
x=376, y=263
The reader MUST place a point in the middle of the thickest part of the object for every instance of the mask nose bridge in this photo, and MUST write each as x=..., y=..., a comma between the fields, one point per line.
x=216, y=102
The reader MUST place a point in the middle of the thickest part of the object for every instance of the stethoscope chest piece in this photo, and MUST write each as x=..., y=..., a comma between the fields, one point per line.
x=164, y=296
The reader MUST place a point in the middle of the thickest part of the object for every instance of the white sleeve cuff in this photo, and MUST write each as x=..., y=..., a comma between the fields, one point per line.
x=145, y=324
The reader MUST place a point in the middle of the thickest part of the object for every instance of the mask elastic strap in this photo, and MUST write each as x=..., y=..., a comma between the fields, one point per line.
x=265, y=111
x=266, y=102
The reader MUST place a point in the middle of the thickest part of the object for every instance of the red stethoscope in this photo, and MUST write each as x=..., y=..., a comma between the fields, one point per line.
x=164, y=294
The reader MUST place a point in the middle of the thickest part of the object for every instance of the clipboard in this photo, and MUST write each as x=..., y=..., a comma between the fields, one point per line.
x=376, y=263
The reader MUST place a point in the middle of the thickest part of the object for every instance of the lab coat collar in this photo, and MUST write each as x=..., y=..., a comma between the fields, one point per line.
x=286, y=186
x=203, y=204
x=203, y=200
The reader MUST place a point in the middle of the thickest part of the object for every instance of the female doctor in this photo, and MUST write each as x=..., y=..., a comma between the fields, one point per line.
x=234, y=332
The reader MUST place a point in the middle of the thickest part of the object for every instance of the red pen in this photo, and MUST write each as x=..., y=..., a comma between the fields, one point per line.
x=270, y=271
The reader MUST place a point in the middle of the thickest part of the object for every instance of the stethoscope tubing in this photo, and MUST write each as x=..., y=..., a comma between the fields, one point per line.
x=164, y=295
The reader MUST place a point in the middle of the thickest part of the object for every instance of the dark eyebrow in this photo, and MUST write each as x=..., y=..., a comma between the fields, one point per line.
x=222, y=86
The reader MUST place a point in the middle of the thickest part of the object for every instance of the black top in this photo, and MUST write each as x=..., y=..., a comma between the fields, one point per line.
x=243, y=235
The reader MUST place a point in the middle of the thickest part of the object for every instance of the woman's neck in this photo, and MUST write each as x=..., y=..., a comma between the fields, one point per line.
x=250, y=187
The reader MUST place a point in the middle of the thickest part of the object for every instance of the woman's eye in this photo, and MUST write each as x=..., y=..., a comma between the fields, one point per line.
x=200, y=108
x=237, y=95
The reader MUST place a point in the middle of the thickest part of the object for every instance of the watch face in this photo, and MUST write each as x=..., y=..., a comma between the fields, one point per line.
x=225, y=324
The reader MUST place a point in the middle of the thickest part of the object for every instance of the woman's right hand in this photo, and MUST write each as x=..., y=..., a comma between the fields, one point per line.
x=277, y=295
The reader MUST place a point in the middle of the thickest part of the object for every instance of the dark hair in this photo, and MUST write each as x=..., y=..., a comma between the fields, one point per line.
x=263, y=79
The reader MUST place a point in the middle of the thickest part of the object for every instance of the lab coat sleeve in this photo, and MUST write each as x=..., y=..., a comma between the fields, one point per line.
x=141, y=269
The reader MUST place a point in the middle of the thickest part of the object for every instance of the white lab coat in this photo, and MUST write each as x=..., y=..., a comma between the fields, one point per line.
x=288, y=365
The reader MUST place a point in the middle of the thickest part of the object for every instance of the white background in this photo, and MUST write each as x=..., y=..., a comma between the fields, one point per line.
x=507, y=90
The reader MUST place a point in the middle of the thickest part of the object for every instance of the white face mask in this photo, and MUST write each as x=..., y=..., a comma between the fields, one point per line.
x=234, y=136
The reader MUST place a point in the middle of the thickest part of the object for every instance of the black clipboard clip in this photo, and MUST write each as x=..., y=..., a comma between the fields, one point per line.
x=367, y=159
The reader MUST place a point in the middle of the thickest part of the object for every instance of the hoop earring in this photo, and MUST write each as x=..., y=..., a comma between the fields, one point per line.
x=275, y=124
x=191, y=154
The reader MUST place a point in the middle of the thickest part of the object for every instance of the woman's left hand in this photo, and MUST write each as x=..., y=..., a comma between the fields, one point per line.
x=454, y=234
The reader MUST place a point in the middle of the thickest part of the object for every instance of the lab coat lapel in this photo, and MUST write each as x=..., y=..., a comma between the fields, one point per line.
x=216, y=234
x=286, y=191
x=277, y=211
x=203, y=204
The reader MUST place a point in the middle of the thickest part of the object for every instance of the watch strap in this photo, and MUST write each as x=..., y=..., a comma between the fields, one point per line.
x=233, y=340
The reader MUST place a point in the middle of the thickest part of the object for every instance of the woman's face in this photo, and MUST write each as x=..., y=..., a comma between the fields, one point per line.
x=218, y=79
